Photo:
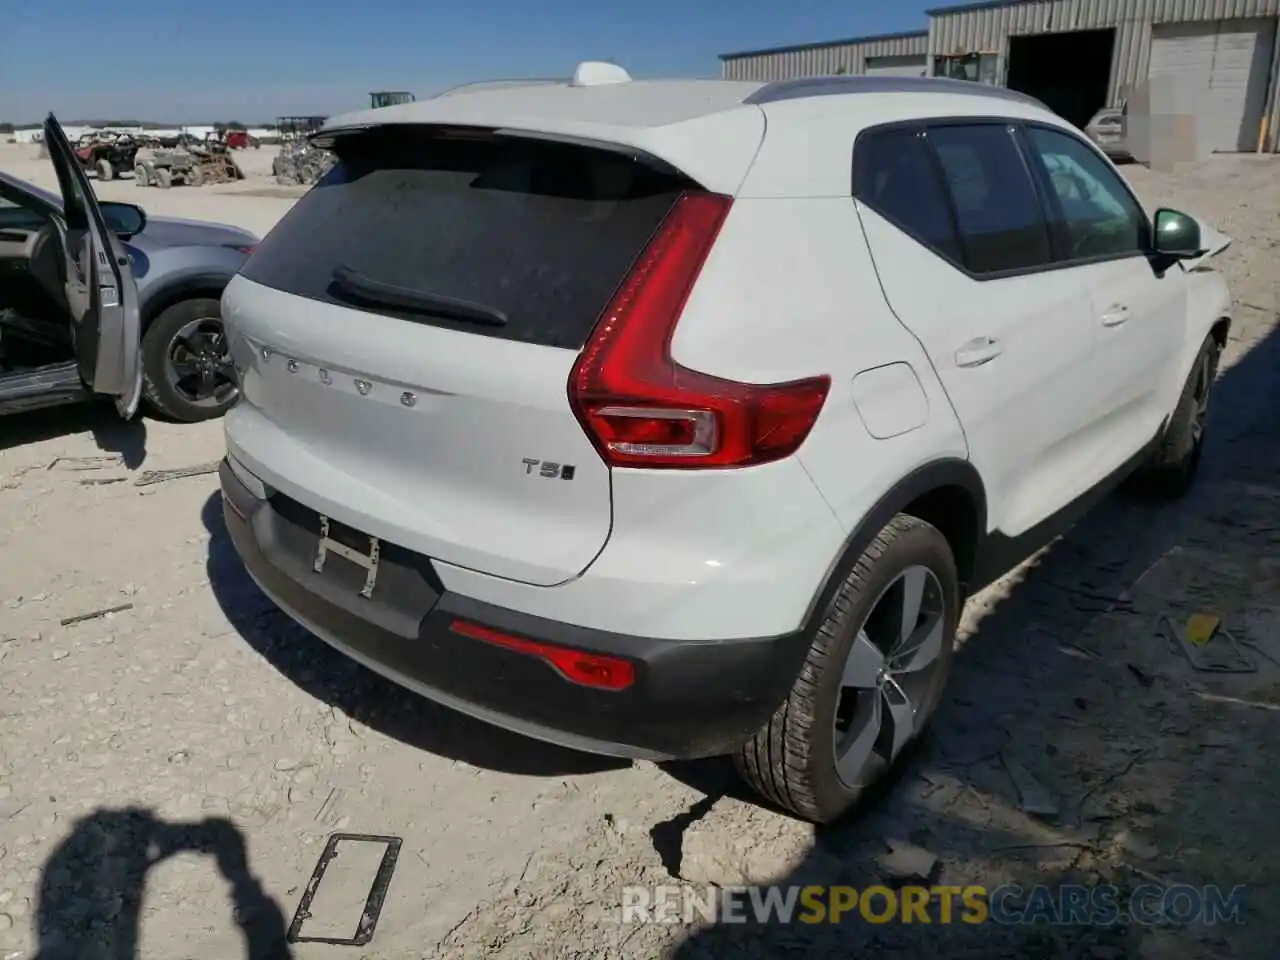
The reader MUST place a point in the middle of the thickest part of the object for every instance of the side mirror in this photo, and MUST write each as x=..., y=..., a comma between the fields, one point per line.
x=1177, y=234
x=124, y=219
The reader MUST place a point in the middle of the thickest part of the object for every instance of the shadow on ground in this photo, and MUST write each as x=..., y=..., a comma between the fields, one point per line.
x=112, y=435
x=93, y=886
x=1163, y=773
x=327, y=675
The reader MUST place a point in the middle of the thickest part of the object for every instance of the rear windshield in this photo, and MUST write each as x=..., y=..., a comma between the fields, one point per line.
x=527, y=239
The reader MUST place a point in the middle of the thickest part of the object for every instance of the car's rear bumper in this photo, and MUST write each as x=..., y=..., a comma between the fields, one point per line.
x=688, y=699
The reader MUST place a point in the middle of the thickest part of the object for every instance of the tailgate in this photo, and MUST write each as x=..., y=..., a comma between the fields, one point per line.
x=406, y=334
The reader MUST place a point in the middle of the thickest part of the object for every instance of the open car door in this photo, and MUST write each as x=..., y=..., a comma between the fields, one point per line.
x=106, y=325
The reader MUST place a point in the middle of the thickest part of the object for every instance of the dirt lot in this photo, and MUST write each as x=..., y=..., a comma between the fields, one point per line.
x=169, y=773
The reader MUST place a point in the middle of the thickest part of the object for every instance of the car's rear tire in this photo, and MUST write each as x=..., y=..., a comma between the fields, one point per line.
x=186, y=372
x=868, y=687
x=163, y=178
x=140, y=176
x=1172, y=467
x=105, y=170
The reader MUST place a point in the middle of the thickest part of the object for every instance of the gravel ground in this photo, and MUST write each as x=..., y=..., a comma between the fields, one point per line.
x=169, y=773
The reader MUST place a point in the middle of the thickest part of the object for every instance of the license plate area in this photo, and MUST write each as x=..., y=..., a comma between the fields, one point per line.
x=330, y=542
x=393, y=588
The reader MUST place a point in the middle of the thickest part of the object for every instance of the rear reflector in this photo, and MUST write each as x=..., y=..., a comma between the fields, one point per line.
x=641, y=408
x=587, y=669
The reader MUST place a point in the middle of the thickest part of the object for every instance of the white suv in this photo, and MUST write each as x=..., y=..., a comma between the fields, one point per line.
x=679, y=418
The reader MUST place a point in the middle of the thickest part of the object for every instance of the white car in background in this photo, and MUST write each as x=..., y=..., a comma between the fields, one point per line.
x=679, y=418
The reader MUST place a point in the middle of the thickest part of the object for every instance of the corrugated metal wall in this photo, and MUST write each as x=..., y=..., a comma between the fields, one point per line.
x=822, y=60
x=986, y=28
x=1272, y=139
x=983, y=28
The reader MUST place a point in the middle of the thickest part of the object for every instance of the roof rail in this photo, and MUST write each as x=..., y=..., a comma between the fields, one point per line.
x=498, y=84
x=805, y=87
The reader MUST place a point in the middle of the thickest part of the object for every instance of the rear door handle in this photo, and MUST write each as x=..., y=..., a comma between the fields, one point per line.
x=1115, y=315
x=978, y=351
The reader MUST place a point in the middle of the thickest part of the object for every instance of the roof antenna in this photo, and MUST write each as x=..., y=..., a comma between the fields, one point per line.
x=597, y=73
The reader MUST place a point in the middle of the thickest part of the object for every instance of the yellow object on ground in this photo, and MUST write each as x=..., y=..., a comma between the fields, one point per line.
x=1201, y=627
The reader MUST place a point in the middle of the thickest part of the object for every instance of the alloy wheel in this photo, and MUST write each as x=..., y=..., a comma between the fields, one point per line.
x=887, y=685
x=1200, y=410
x=198, y=364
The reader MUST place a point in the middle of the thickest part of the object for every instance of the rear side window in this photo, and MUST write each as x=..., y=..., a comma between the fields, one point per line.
x=894, y=175
x=511, y=237
x=1001, y=221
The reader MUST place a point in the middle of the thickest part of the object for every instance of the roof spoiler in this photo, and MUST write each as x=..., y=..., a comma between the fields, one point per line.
x=326, y=139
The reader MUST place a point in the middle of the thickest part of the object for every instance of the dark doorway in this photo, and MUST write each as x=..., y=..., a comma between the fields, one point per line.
x=1068, y=72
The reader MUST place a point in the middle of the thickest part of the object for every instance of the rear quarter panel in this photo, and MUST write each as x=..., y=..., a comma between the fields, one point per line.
x=789, y=291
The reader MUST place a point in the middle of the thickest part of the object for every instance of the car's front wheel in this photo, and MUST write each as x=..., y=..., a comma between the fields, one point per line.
x=186, y=369
x=871, y=681
x=1172, y=467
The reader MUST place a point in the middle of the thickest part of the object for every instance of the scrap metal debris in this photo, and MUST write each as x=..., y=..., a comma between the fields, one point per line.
x=373, y=902
x=325, y=813
x=903, y=862
x=1204, y=656
x=1257, y=649
x=96, y=614
x=1201, y=627
x=1033, y=796
x=148, y=477
x=86, y=463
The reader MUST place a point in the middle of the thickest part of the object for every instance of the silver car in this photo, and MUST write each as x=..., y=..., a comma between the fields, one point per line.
x=96, y=298
x=1108, y=129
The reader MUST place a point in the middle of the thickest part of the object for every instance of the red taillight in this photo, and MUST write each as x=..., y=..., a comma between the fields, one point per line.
x=248, y=250
x=640, y=407
x=587, y=669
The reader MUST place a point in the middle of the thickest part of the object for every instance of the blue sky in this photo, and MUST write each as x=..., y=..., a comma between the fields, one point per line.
x=251, y=60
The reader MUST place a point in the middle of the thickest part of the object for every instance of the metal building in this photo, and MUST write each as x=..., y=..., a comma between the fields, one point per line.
x=1081, y=55
x=898, y=54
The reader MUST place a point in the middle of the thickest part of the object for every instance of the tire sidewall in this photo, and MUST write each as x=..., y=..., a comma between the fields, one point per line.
x=1213, y=352
x=160, y=394
x=919, y=545
x=1190, y=451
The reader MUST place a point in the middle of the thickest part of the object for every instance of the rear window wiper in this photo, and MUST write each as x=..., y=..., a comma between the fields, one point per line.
x=379, y=292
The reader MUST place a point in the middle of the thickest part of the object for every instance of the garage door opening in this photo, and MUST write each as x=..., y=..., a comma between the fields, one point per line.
x=1068, y=72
